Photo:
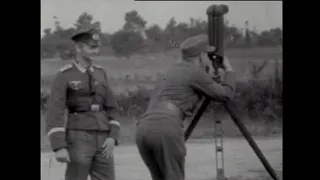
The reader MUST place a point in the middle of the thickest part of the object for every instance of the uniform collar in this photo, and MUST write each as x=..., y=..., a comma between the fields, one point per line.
x=81, y=68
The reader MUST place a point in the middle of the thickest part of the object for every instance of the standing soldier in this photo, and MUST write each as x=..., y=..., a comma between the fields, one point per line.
x=160, y=134
x=87, y=141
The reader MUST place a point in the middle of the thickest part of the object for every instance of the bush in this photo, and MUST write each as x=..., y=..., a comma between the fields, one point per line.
x=259, y=99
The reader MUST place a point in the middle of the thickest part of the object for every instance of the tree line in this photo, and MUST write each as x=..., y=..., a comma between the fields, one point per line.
x=135, y=37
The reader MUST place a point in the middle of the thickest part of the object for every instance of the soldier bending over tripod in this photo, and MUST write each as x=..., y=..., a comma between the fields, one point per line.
x=160, y=133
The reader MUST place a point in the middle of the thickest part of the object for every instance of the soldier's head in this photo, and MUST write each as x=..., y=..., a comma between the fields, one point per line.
x=87, y=41
x=195, y=50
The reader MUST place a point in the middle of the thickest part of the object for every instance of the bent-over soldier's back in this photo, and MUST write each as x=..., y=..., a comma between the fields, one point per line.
x=160, y=133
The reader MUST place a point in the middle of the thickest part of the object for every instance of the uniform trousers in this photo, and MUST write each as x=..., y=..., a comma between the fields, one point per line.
x=85, y=155
x=160, y=141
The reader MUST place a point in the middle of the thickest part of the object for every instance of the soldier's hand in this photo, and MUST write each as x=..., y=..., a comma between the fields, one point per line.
x=62, y=155
x=217, y=78
x=108, y=147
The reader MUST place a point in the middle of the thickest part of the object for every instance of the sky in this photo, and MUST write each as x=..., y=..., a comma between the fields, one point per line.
x=262, y=15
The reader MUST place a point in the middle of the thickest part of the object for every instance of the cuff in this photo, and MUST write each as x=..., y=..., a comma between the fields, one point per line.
x=57, y=140
x=114, y=130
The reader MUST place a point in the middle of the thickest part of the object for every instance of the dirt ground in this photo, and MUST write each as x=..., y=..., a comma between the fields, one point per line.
x=240, y=161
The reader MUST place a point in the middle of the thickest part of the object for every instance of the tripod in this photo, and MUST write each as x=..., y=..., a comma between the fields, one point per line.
x=215, y=31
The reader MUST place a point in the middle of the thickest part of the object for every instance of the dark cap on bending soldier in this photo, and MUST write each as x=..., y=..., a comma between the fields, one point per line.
x=87, y=34
x=193, y=46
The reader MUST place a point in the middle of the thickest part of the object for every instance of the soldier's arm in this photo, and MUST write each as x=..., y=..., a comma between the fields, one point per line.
x=111, y=108
x=56, y=113
x=224, y=91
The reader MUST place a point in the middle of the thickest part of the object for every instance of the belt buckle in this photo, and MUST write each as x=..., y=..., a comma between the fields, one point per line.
x=95, y=107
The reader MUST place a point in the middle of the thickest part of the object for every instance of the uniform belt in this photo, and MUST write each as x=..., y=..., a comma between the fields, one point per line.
x=91, y=108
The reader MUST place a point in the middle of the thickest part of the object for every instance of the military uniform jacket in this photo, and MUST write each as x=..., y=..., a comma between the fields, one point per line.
x=184, y=85
x=88, y=99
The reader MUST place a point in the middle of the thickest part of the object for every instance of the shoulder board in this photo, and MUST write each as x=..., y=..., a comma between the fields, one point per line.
x=66, y=67
x=96, y=66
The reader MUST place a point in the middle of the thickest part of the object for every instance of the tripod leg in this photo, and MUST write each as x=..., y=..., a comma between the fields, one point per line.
x=230, y=108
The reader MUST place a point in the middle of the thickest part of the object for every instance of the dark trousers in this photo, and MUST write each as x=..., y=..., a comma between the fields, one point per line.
x=85, y=154
x=160, y=141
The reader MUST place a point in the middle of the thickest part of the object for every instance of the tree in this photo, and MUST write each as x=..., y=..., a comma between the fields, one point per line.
x=130, y=39
x=126, y=43
x=171, y=25
x=133, y=21
x=273, y=37
x=192, y=22
x=47, y=32
x=182, y=30
x=135, y=37
x=58, y=28
x=85, y=19
x=276, y=33
x=170, y=34
x=154, y=33
x=247, y=34
x=233, y=36
x=197, y=26
x=155, y=39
